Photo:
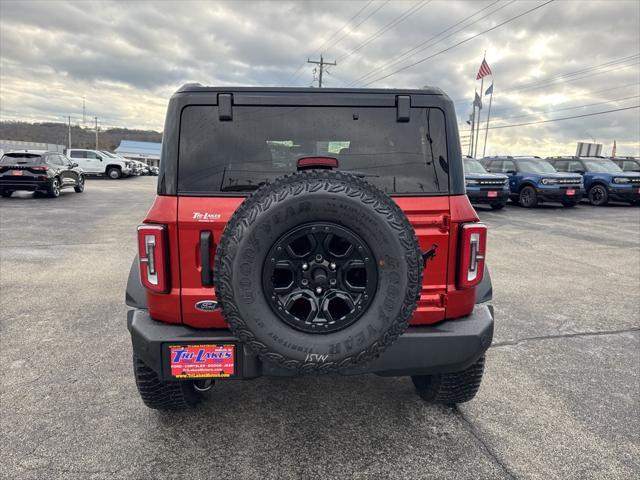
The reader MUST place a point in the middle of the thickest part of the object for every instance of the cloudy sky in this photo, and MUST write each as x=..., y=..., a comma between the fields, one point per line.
x=564, y=59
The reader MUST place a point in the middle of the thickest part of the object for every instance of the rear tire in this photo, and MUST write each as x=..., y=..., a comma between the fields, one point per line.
x=79, y=188
x=114, y=173
x=450, y=388
x=163, y=395
x=7, y=193
x=498, y=206
x=54, y=188
x=598, y=195
x=528, y=197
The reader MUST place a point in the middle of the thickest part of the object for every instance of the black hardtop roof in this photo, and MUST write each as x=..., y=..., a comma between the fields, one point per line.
x=197, y=87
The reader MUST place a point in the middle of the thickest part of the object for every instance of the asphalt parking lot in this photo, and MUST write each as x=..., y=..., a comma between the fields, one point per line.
x=560, y=399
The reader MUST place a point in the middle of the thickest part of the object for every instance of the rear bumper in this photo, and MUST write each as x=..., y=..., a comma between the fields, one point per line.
x=449, y=346
x=28, y=184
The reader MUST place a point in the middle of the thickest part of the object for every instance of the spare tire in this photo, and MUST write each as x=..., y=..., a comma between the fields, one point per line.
x=318, y=271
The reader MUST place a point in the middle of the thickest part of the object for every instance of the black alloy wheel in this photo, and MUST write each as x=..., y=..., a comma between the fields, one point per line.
x=319, y=277
x=528, y=197
x=598, y=195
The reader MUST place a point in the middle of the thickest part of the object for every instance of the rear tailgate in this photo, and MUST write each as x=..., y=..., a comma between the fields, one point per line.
x=198, y=216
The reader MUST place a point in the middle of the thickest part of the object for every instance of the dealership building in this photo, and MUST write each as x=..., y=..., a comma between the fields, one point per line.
x=147, y=152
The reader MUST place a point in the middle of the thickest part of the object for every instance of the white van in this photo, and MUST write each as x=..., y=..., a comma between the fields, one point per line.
x=94, y=162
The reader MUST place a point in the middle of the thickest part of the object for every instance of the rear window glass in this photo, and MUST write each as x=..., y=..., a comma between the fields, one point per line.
x=20, y=159
x=263, y=143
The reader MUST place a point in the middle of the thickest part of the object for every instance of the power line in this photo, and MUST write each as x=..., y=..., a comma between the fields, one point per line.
x=575, y=78
x=295, y=74
x=590, y=72
x=563, y=118
x=584, y=70
x=460, y=42
x=590, y=92
x=407, y=53
x=396, y=21
x=356, y=26
x=568, y=108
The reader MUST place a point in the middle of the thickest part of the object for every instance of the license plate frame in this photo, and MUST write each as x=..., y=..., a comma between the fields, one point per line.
x=17, y=173
x=492, y=194
x=193, y=361
x=571, y=192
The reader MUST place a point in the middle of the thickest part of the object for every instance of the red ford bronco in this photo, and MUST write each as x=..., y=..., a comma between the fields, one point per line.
x=302, y=231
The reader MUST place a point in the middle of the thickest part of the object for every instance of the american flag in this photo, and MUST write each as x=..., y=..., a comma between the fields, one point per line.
x=484, y=70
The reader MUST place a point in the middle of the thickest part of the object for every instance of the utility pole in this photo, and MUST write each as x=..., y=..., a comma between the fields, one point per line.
x=96, y=119
x=322, y=64
x=84, y=113
x=69, y=124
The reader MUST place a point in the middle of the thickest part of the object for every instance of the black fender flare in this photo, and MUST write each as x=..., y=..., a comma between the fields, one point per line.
x=526, y=183
x=484, y=290
x=136, y=295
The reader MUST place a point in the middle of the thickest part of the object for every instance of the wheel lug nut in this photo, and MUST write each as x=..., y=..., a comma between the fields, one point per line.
x=305, y=281
x=332, y=281
x=332, y=266
x=318, y=290
x=305, y=266
x=318, y=258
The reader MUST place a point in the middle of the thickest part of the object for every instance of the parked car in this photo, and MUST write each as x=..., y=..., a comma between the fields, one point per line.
x=533, y=180
x=113, y=155
x=95, y=162
x=39, y=171
x=484, y=187
x=144, y=168
x=313, y=263
x=603, y=179
x=154, y=171
x=140, y=168
x=627, y=164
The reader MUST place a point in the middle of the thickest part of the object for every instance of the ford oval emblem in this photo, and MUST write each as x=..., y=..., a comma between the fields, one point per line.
x=207, y=305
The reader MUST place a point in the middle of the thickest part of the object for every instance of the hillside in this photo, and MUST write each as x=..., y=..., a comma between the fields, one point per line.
x=80, y=137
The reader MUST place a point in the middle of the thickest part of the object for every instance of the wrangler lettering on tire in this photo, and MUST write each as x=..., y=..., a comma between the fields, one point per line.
x=318, y=271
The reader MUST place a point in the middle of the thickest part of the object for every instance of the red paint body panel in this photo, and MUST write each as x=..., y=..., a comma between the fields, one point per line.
x=165, y=307
x=430, y=219
x=435, y=219
x=216, y=212
x=459, y=302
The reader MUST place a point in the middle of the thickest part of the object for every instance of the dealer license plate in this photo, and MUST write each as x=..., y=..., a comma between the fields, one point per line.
x=492, y=194
x=571, y=191
x=202, y=361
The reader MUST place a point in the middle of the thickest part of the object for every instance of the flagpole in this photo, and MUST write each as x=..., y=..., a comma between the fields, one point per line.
x=486, y=132
x=475, y=151
x=473, y=124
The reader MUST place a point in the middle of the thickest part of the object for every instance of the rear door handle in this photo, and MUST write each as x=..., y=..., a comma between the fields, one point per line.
x=206, y=239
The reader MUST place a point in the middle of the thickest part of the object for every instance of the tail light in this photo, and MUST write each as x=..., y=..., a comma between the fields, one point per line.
x=152, y=254
x=473, y=244
x=40, y=169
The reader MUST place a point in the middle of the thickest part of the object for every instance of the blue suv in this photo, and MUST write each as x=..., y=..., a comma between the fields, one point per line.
x=603, y=179
x=484, y=187
x=627, y=164
x=533, y=180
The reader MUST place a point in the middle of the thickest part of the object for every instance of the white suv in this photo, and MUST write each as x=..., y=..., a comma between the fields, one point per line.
x=94, y=162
